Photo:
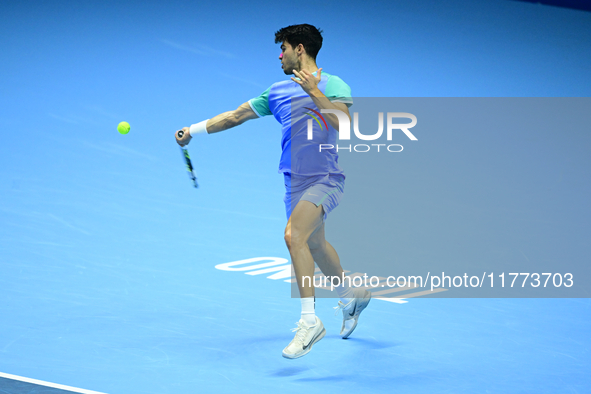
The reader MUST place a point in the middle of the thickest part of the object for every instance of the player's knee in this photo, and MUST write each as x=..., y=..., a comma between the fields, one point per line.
x=315, y=245
x=294, y=239
x=287, y=237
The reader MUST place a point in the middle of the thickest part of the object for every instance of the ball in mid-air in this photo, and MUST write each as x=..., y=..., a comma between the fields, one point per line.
x=123, y=127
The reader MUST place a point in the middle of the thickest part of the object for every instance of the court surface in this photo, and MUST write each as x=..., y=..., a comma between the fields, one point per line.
x=108, y=279
x=132, y=303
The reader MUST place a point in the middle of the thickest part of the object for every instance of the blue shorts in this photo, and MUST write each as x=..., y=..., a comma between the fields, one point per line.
x=325, y=190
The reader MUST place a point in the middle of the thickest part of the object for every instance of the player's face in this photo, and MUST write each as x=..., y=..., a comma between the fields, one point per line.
x=288, y=57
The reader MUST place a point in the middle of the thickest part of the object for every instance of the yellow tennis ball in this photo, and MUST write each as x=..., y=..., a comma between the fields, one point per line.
x=123, y=127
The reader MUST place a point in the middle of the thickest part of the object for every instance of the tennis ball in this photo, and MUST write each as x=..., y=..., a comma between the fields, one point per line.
x=123, y=127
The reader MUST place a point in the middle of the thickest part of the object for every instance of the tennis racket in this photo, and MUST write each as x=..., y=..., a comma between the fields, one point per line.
x=187, y=158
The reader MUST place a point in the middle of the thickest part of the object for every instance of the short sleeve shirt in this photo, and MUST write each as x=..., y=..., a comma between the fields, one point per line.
x=276, y=101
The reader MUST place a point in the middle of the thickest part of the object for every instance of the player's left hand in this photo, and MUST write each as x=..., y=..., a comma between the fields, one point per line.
x=306, y=80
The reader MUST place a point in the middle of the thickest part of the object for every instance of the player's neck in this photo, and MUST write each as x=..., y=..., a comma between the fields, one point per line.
x=309, y=65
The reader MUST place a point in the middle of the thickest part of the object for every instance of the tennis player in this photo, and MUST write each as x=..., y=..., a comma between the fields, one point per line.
x=314, y=184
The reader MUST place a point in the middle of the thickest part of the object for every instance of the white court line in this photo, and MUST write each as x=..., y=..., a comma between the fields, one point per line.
x=47, y=384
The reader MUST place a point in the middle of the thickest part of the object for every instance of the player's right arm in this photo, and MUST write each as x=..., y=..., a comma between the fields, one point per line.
x=221, y=122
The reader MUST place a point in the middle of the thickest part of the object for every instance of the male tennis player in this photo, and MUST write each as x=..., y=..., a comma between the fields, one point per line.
x=314, y=180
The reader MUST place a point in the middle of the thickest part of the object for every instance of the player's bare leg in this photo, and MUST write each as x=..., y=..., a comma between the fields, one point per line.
x=305, y=219
x=352, y=301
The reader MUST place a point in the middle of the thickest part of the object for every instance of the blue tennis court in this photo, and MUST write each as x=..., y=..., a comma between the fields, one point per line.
x=117, y=276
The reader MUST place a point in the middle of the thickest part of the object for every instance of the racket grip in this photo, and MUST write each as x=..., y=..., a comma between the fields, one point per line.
x=180, y=133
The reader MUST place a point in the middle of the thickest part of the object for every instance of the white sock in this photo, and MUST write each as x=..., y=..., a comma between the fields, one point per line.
x=308, y=314
x=345, y=292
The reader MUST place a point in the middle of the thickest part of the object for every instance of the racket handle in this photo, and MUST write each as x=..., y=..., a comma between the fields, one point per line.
x=180, y=133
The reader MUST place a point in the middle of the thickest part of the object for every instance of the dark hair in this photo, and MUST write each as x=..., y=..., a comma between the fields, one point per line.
x=307, y=35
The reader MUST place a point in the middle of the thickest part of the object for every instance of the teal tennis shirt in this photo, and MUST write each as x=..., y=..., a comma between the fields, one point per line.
x=301, y=156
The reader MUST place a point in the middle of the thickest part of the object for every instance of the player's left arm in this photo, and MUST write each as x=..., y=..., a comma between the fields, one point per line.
x=309, y=83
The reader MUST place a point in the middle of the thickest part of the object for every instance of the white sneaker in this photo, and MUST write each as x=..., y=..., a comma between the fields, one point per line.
x=352, y=310
x=305, y=337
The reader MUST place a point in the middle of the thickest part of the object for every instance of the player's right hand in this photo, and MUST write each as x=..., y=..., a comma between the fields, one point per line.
x=185, y=136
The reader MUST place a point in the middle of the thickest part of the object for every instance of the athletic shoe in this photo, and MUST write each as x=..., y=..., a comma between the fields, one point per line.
x=305, y=337
x=352, y=310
